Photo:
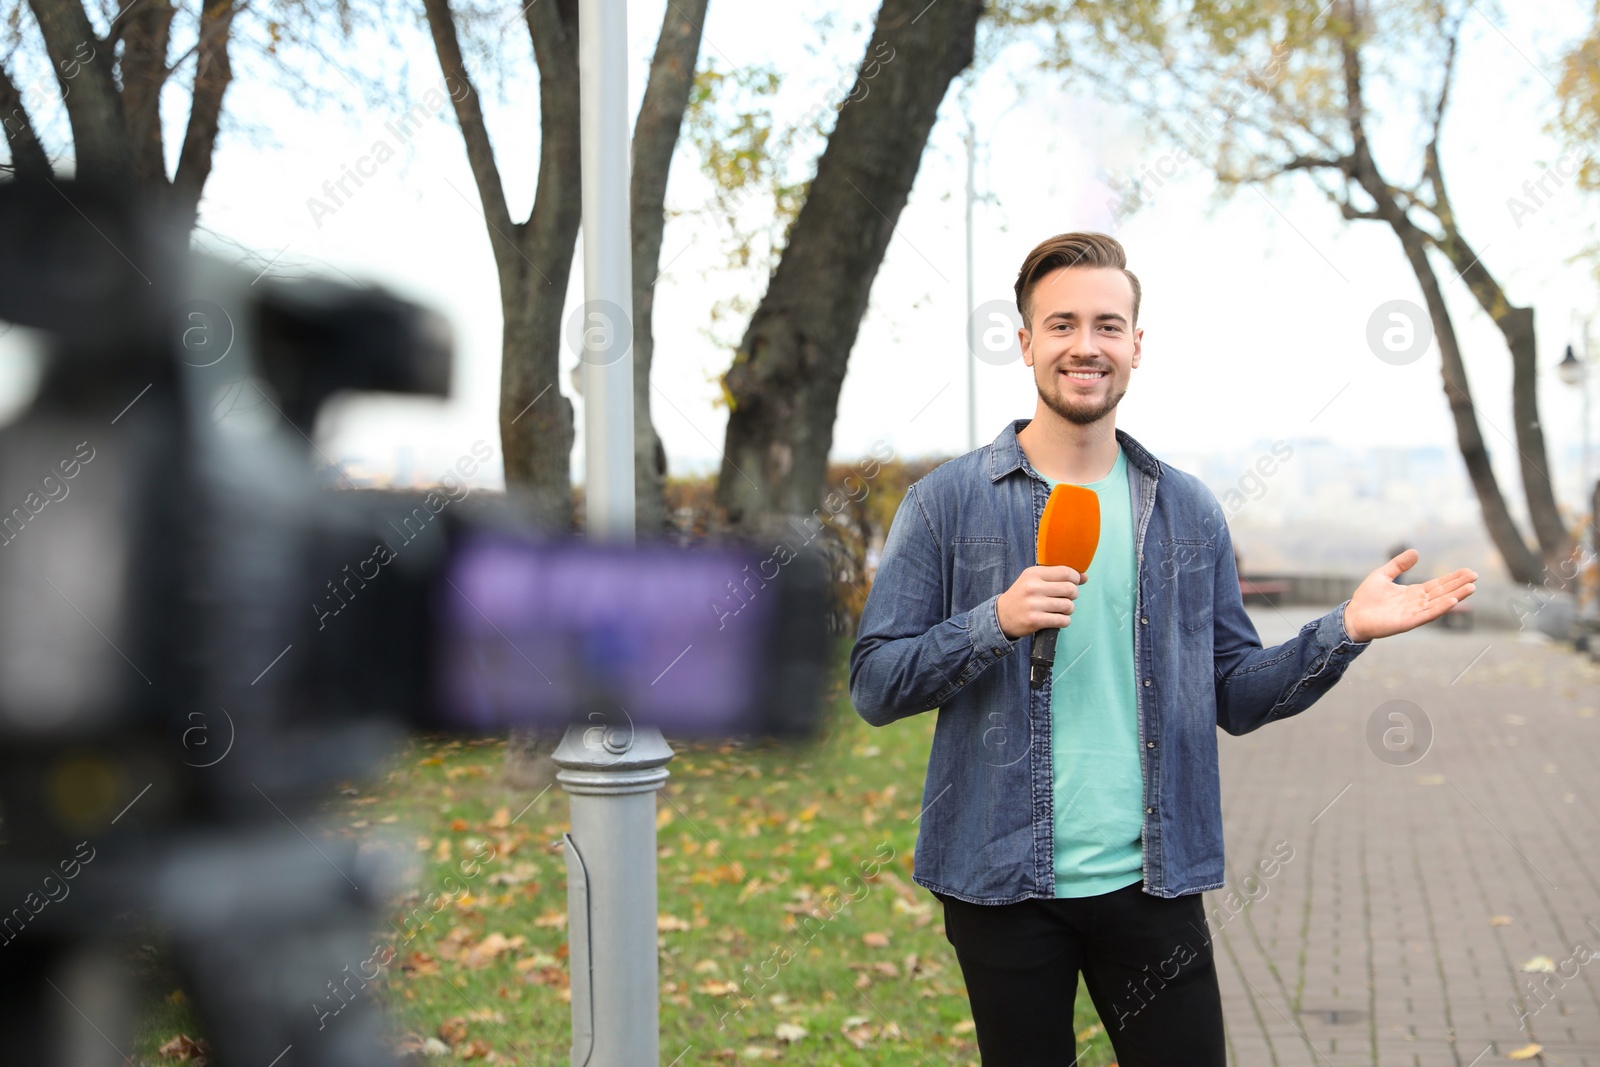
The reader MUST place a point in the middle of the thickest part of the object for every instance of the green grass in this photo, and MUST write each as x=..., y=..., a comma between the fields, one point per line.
x=750, y=838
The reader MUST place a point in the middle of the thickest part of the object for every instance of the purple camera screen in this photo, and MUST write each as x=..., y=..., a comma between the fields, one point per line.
x=537, y=633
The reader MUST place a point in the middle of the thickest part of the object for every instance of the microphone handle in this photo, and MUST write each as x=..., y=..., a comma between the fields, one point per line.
x=1043, y=657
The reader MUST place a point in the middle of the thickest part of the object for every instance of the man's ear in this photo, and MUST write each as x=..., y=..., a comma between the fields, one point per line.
x=1025, y=339
x=1138, y=344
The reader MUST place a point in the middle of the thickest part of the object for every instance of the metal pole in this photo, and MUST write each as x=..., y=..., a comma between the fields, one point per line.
x=609, y=769
x=972, y=328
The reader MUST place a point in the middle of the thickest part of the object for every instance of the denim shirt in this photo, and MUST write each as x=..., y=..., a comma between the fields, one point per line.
x=930, y=638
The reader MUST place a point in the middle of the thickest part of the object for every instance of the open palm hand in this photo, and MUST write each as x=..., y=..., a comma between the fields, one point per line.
x=1381, y=608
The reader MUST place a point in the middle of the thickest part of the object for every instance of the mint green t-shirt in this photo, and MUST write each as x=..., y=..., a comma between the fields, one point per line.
x=1094, y=726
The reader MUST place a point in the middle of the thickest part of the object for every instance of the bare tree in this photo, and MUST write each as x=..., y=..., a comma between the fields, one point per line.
x=1267, y=88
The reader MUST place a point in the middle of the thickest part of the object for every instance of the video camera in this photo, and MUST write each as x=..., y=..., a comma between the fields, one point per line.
x=198, y=639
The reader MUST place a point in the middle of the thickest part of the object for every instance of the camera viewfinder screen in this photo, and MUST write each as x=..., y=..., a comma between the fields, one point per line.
x=539, y=633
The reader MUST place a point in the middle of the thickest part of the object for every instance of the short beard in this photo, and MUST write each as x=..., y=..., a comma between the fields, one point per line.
x=1054, y=400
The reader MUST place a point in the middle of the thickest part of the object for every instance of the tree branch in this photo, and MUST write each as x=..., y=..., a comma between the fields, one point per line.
x=469, y=115
x=146, y=36
x=655, y=138
x=655, y=131
x=1342, y=164
x=1452, y=35
x=213, y=73
x=553, y=26
x=94, y=108
x=28, y=158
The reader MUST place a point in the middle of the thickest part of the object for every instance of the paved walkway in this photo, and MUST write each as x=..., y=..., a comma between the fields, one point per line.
x=1396, y=932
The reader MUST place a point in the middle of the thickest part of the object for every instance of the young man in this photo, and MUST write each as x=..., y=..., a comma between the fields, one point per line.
x=1073, y=826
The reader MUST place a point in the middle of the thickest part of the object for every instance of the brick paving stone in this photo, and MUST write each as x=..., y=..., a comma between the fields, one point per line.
x=1373, y=944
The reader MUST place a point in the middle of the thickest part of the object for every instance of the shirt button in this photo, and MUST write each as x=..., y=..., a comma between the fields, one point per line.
x=1144, y=619
x=1149, y=811
x=1150, y=744
x=1147, y=681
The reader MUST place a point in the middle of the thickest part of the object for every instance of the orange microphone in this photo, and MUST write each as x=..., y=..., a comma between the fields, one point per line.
x=1068, y=535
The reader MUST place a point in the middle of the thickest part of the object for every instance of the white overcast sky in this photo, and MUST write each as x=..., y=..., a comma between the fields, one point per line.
x=1254, y=315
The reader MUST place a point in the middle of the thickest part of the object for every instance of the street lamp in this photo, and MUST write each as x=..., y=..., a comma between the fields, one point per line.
x=1570, y=369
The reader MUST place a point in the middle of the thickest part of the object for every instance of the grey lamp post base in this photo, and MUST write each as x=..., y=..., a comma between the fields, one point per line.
x=611, y=777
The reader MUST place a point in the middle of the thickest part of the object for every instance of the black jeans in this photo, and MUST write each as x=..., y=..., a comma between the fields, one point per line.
x=1146, y=960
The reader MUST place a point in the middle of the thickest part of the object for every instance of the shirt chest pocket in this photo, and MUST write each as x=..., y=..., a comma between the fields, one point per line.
x=978, y=571
x=1187, y=570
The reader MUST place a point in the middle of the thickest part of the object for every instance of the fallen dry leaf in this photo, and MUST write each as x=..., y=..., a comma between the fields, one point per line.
x=1539, y=965
x=550, y=976
x=666, y=923
x=875, y=940
x=522, y=872
x=714, y=988
x=538, y=959
x=787, y=1032
x=418, y=964
x=475, y=1049
x=1499, y=920
x=453, y=1030
x=488, y=950
x=860, y=1035
x=184, y=1048
x=1526, y=1052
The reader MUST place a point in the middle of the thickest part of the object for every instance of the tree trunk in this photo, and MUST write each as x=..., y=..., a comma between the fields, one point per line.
x=1516, y=326
x=534, y=258
x=1520, y=561
x=536, y=425
x=1362, y=169
x=655, y=138
x=1555, y=540
x=785, y=379
x=536, y=421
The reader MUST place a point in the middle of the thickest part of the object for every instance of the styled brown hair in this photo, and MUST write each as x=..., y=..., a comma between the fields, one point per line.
x=1071, y=250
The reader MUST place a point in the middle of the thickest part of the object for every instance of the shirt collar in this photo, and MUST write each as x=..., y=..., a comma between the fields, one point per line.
x=1006, y=455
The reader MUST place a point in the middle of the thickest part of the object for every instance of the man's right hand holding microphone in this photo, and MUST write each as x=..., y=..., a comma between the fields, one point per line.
x=1040, y=599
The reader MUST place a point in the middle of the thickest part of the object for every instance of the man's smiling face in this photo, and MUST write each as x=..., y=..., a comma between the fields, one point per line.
x=1082, y=344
